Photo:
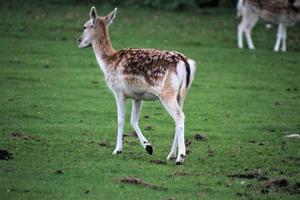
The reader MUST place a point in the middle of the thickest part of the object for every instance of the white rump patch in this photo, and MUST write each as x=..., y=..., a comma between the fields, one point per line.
x=181, y=71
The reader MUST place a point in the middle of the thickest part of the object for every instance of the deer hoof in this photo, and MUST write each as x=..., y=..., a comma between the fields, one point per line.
x=179, y=163
x=149, y=149
x=180, y=159
x=171, y=156
x=116, y=152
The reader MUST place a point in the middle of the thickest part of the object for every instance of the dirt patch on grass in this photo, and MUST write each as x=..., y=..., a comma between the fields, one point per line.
x=158, y=162
x=250, y=175
x=59, y=172
x=149, y=128
x=29, y=79
x=277, y=184
x=25, y=136
x=130, y=134
x=181, y=174
x=188, y=151
x=139, y=182
x=187, y=142
x=131, y=141
x=256, y=142
x=5, y=154
x=104, y=143
x=200, y=137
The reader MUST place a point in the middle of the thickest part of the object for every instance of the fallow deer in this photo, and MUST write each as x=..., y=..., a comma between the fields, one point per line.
x=141, y=74
x=282, y=12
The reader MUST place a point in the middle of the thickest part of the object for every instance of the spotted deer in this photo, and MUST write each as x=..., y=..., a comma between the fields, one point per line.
x=284, y=13
x=141, y=75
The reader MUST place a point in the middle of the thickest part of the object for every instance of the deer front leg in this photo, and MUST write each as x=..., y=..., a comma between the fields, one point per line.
x=120, y=100
x=136, y=109
x=248, y=22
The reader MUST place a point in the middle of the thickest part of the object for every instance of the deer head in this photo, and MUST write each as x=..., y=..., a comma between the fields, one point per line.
x=94, y=26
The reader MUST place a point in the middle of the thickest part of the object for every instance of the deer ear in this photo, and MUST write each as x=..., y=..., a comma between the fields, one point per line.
x=93, y=13
x=110, y=17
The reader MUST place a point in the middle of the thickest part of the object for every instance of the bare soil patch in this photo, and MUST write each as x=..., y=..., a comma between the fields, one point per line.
x=250, y=175
x=139, y=182
x=200, y=137
x=24, y=136
x=130, y=134
x=59, y=172
x=158, y=162
x=277, y=183
x=104, y=143
x=149, y=128
x=5, y=154
x=187, y=142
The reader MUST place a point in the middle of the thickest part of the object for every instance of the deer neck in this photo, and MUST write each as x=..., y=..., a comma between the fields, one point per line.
x=103, y=49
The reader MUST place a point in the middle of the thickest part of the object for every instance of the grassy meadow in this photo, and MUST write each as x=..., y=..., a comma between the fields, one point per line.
x=58, y=118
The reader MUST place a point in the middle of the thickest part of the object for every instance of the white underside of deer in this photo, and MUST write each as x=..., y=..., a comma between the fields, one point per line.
x=141, y=74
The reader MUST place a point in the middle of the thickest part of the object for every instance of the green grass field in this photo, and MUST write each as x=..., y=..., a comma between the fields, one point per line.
x=58, y=119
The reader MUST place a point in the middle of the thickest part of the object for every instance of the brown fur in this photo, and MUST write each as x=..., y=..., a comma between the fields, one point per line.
x=168, y=92
x=275, y=11
x=103, y=42
x=150, y=63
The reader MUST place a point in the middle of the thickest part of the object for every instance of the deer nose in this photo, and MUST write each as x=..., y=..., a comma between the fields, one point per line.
x=79, y=40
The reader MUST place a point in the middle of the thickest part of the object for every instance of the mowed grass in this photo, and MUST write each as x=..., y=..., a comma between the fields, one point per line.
x=58, y=118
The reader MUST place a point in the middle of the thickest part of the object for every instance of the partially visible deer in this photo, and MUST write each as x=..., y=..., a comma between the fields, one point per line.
x=283, y=13
x=141, y=74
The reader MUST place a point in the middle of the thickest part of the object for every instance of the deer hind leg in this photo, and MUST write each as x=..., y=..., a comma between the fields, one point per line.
x=241, y=29
x=136, y=109
x=248, y=22
x=283, y=47
x=120, y=100
x=173, y=152
x=279, y=37
x=170, y=103
x=180, y=100
x=251, y=23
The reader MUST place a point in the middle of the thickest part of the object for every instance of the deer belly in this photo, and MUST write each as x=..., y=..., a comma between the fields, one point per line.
x=141, y=95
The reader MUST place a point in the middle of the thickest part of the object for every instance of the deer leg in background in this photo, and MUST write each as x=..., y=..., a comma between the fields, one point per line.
x=252, y=19
x=278, y=37
x=283, y=46
x=136, y=109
